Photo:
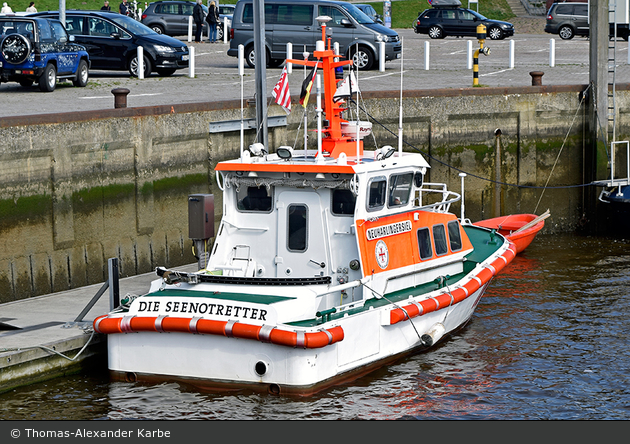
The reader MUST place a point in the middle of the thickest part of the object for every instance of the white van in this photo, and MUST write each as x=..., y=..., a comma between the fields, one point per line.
x=294, y=21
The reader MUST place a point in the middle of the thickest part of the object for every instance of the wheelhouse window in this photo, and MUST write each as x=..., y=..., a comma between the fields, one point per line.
x=454, y=235
x=439, y=237
x=424, y=244
x=297, y=227
x=255, y=199
x=399, y=189
x=377, y=190
x=343, y=202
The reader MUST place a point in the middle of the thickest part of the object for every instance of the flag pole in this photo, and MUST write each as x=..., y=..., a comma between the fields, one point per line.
x=241, y=72
x=400, y=117
x=305, y=54
x=358, y=145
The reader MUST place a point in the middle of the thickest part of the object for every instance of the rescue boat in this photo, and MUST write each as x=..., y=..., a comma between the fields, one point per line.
x=326, y=264
x=521, y=229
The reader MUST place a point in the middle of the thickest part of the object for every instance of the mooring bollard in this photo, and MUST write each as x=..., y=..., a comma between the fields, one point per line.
x=536, y=77
x=120, y=97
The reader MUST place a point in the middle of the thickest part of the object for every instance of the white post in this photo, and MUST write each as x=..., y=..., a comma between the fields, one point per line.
x=552, y=52
x=511, y=54
x=289, y=56
x=462, y=175
x=191, y=63
x=140, y=56
x=225, y=29
x=319, y=116
x=469, y=53
x=381, y=56
x=426, y=56
x=189, y=28
x=241, y=72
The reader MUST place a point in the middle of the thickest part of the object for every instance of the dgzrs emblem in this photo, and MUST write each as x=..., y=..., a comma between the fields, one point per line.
x=382, y=254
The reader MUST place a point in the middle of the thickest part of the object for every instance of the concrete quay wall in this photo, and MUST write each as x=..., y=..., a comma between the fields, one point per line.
x=79, y=188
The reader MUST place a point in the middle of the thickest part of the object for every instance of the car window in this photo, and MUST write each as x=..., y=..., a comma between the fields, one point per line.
x=448, y=14
x=431, y=13
x=580, y=10
x=74, y=25
x=45, y=34
x=167, y=8
x=564, y=9
x=187, y=8
x=334, y=13
x=59, y=31
x=295, y=14
x=466, y=15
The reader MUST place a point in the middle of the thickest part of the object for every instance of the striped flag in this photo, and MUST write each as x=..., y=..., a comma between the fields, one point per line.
x=281, y=91
x=306, y=87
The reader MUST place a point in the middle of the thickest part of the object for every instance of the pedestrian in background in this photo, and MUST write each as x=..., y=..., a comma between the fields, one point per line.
x=31, y=7
x=198, y=19
x=6, y=9
x=124, y=8
x=106, y=7
x=212, y=19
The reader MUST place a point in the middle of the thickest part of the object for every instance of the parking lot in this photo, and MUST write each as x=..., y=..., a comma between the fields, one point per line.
x=217, y=78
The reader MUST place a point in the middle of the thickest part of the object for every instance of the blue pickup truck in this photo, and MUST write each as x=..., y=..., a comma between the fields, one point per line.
x=37, y=50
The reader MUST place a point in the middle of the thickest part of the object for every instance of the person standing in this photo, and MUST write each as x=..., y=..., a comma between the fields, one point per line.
x=198, y=19
x=124, y=8
x=106, y=6
x=31, y=7
x=6, y=9
x=212, y=19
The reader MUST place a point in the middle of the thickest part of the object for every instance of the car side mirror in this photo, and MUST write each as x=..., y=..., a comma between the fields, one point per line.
x=115, y=35
x=345, y=22
x=71, y=38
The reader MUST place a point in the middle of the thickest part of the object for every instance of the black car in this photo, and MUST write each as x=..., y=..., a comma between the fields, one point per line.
x=170, y=17
x=451, y=20
x=571, y=19
x=370, y=12
x=36, y=50
x=112, y=41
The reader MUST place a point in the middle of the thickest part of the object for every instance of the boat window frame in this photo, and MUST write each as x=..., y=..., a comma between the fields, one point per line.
x=332, y=203
x=289, y=223
x=239, y=201
x=393, y=187
x=440, y=238
x=379, y=207
x=429, y=243
x=459, y=235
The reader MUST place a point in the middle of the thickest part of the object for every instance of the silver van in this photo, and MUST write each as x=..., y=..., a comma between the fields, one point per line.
x=294, y=21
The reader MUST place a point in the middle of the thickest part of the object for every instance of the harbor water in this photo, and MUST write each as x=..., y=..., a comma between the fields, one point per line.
x=547, y=341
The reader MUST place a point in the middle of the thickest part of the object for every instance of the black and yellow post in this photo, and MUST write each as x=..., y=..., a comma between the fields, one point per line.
x=481, y=36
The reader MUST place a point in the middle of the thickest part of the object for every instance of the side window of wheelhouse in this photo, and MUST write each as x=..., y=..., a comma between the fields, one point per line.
x=399, y=189
x=254, y=199
x=376, y=194
x=454, y=235
x=439, y=237
x=297, y=227
x=424, y=244
x=343, y=202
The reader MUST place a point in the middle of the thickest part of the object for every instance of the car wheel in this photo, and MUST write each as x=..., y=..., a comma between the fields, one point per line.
x=26, y=83
x=133, y=66
x=158, y=29
x=48, y=79
x=495, y=33
x=166, y=72
x=250, y=56
x=566, y=33
x=435, y=32
x=82, y=75
x=15, y=48
x=219, y=32
x=363, y=58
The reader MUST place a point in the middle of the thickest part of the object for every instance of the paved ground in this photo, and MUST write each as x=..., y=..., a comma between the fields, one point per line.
x=216, y=74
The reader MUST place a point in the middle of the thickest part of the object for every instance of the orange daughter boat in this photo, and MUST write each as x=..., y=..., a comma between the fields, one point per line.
x=521, y=229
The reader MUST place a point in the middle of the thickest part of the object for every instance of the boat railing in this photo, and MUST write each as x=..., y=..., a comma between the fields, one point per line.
x=431, y=192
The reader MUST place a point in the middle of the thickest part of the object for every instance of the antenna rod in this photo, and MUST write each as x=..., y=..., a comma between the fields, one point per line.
x=400, y=118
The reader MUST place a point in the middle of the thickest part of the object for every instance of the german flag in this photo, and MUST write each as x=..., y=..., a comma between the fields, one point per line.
x=307, y=85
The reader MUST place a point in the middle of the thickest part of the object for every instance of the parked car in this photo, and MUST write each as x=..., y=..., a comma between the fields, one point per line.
x=295, y=21
x=170, y=17
x=449, y=19
x=370, y=12
x=36, y=50
x=571, y=19
x=112, y=41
